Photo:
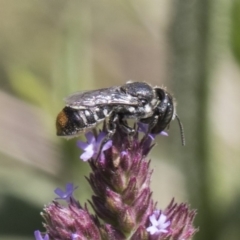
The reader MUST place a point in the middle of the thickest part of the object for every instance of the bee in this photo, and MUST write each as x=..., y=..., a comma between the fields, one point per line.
x=134, y=100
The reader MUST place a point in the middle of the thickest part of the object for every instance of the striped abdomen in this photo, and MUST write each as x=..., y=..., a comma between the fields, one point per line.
x=72, y=121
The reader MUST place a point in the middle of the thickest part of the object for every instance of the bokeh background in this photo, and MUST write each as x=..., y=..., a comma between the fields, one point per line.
x=51, y=48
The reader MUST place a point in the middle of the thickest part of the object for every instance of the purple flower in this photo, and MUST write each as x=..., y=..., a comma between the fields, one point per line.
x=142, y=127
x=67, y=194
x=122, y=199
x=38, y=236
x=75, y=236
x=159, y=223
x=91, y=147
x=70, y=222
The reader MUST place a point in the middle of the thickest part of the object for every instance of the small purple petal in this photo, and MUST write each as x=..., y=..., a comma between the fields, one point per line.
x=82, y=145
x=87, y=155
x=100, y=137
x=70, y=187
x=152, y=136
x=159, y=225
x=90, y=137
x=91, y=148
x=152, y=230
x=65, y=195
x=142, y=127
x=163, y=133
x=59, y=192
x=123, y=153
x=38, y=236
x=74, y=236
x=107, y=145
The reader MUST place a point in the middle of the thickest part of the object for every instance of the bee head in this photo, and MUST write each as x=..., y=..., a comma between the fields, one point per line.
x=167, y=113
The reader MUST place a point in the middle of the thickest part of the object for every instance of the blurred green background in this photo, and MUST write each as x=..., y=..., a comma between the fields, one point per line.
x=51, y=48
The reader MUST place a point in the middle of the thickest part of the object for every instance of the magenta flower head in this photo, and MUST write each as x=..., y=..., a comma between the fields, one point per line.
x=122, y=199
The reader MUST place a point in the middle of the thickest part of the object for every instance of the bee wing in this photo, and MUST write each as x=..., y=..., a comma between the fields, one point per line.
x=105, y=96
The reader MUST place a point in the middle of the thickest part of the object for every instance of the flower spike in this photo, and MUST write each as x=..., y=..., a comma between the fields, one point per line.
x=122, y=199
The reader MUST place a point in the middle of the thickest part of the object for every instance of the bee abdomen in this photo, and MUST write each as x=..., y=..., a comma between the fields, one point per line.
x=72, y=121
x=68, y=121
x=102, y=112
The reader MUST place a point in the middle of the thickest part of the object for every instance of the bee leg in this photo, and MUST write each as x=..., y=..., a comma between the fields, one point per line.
x=151, y=125
x=128, y=130
x=124, y=126
x=111, y=129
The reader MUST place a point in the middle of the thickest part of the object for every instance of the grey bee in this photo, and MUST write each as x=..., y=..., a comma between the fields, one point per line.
x=134, y=100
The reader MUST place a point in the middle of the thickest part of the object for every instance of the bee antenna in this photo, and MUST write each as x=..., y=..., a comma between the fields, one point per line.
x=181, y=130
